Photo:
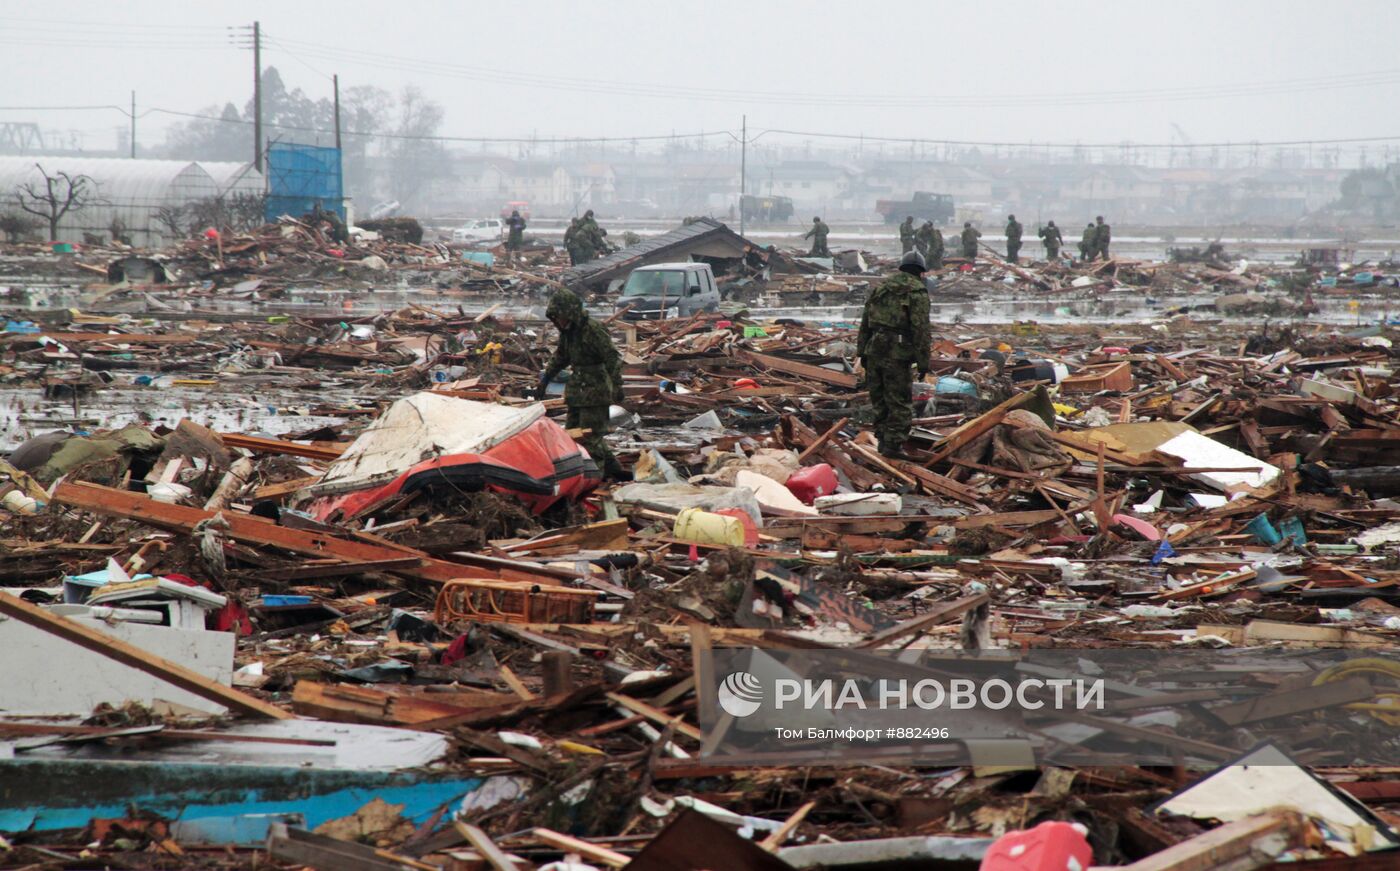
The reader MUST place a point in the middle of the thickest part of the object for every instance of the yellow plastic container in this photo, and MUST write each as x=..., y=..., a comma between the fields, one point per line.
x=705, y=527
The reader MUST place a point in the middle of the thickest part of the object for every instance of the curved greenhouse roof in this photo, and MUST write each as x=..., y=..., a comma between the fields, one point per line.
x=129, y=191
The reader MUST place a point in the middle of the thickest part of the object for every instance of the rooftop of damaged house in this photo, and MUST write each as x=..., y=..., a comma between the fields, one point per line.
x=597, y=521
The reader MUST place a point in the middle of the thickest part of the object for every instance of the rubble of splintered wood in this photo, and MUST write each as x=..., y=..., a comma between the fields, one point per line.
x=1194, y=480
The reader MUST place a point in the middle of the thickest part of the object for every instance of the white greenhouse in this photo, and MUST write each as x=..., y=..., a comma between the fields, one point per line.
x=128, y=190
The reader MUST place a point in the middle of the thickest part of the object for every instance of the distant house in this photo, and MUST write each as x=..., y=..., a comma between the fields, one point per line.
x=810, y=184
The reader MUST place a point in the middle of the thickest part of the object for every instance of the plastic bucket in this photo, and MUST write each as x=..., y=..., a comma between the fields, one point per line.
x=706, y=527
x=1263, y=531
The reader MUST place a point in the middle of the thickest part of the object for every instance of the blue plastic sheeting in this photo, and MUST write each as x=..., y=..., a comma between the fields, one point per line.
x=300, y=177
x=223, y=800
x=485, y=258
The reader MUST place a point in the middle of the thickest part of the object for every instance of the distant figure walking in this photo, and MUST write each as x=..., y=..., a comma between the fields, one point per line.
x=1050, y=235
x=818, y=235
x=970, y=235
x=515, y=237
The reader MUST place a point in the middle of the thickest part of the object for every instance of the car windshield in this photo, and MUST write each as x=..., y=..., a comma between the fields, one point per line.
x=655, y=282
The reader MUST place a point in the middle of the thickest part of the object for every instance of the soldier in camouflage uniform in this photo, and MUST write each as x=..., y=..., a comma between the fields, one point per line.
x=818, y=235
x=923, y=239
x=587, y=350
x=970, y=235
x=1013, y=238
x=594, y=236
x=906, y=235
x=894, y=335
x=1102, y=237
x=1086, y=243
x=935, y=249
x=571, y=241
x=1053, y=239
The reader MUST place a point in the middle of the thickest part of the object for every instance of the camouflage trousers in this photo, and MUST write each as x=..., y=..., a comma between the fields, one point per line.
x=596, y=419
x=891, y=384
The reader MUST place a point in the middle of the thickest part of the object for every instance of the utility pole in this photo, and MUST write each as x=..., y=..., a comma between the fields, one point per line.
x=133, y=125
x=335, y=84
x=743, y=169
x=257, y=97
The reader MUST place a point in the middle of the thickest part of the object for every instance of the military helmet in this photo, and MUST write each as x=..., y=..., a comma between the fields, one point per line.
x=1010, y=217
x=565, y=308
x=914, y=259
x=816, y=220
x=967, y=225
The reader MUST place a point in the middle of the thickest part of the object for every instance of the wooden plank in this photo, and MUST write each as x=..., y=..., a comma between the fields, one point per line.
x=286, y=488
x=955, y=440
x=939, y=613
x=335, y=570
x=1011, y=518
x=702, y=667
x=1294, y=701
x=569, y=844
x=256, y=530
x=821, y=440
x=259, y=445
x=1232, y=843
x=485, y=847
x=516, y=685
x=657, y=716
x=802, y=370
x=134, y=657
x=783, y=832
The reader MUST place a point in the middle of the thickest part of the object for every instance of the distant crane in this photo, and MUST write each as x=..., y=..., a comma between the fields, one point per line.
x=1185, y=138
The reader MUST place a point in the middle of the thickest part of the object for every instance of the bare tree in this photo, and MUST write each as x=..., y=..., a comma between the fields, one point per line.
x=59, y=194
x=171, y=219
x=236, y=212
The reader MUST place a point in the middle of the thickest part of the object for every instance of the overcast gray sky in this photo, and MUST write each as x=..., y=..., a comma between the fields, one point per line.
x=1015, y=71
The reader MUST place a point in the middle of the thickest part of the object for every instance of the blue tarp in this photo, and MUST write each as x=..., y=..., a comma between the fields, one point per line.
x=300, y=177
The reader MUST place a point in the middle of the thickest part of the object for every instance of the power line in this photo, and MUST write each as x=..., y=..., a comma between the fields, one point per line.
x=375, y=59
x=566, y=140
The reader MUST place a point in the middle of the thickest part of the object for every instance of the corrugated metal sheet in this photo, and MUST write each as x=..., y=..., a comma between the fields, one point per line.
x=646, y=249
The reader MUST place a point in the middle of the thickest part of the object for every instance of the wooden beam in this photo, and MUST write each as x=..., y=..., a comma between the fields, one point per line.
x=259, y=445
x=802, y=370
x=134, y=657
x=1232, y=843
x=569, y=844
x=941, y=612
x=256, y=530
x=485, y=847
x=661, y=718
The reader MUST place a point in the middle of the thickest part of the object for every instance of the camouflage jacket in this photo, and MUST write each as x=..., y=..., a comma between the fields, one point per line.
x=1090, y=237
x=586, y=349
x=970, y=237
x=936, y=242
x=1013, y=231
x=1052, y=236
x=906, y=231
x=1102, y=236
x=895, y=321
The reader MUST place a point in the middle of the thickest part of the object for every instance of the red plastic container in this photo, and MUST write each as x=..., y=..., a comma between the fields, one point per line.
x=812, y=481
x=750, y=529
x=1051, y=846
